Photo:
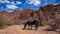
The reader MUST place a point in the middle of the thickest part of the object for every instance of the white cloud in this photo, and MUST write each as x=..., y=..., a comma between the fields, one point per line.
x=13, y=3
x=11, y=6
x=18, y=2
x=4, y=1
x=7, y=1
x=30, y=1
x=34, y=2
x=1, y=1
x=56, y=4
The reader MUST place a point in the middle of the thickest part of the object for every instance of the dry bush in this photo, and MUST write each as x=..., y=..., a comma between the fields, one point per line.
x=8, y=21
x=2, y=21
x=54, y=24
x=18, y=21
x=5, y=20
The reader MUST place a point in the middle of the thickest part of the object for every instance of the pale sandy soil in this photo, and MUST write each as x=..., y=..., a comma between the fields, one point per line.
x=17, y=29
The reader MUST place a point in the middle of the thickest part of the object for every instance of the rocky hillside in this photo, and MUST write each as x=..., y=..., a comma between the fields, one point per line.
x=17, y=14
x=49, y=11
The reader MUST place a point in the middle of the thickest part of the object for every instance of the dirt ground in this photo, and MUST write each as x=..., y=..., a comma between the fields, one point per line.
x=17, y=29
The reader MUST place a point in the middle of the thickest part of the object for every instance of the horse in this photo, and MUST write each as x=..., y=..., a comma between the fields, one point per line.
x=30, y=23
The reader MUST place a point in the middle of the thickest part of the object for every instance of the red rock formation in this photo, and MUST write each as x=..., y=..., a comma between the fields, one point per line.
x=4, y=13
x=23, y=14
x=27, y=13
x=51, y=11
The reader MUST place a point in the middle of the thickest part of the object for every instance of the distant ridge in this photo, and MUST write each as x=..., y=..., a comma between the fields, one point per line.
x=25, y=13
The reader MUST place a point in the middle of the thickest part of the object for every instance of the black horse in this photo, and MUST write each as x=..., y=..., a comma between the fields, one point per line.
x=31, y=23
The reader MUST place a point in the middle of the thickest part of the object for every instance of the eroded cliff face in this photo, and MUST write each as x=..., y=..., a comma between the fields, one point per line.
x=20, y=14
x=51, y=12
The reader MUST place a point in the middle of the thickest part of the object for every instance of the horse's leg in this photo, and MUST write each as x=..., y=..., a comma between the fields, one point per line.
x=28, y=27
x=36, y=27
x=24, y=26
x=31, y=27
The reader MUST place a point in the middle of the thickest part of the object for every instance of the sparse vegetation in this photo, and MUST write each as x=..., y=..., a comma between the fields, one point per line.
x=54, y=24
x=44, y=15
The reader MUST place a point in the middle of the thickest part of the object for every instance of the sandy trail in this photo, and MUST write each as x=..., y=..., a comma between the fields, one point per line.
x=17, y=29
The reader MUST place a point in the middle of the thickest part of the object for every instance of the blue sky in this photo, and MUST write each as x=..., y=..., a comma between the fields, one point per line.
x=10, y=5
